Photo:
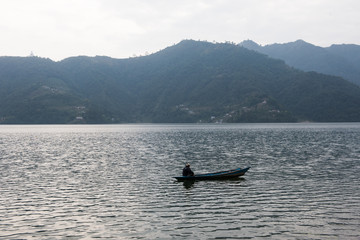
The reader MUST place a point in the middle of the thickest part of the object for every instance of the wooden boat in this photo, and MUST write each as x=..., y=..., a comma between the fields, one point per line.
x=234, y=173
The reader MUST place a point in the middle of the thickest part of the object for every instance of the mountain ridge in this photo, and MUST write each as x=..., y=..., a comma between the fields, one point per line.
x=192, y=81
x=339, y=59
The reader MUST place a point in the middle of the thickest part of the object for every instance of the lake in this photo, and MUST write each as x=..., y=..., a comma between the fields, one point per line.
x=115, y=181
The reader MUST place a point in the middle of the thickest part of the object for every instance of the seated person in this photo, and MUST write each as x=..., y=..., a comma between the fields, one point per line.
x=187, y=170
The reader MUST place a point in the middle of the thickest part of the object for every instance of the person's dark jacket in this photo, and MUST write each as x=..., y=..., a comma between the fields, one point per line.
x=187, y=171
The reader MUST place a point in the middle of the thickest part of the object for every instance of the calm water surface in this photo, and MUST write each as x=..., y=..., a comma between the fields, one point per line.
x=115, y=182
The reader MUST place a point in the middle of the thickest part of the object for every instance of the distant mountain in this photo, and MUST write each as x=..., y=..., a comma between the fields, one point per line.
x=338, y=60
x=192, y=81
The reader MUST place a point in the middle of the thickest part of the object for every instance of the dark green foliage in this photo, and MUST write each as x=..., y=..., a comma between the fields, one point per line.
x=188, y=82
x=338, y=60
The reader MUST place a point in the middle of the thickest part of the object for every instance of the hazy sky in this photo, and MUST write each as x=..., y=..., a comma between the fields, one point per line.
x=58, y=29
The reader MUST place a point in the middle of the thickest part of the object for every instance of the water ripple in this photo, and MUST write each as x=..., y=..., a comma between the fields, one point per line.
x=115, y=182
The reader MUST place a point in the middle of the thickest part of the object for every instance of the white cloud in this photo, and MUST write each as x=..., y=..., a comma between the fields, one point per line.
x=118, y=28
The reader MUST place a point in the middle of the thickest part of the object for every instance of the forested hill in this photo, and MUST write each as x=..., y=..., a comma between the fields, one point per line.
x=192, y=81
x=339, y=60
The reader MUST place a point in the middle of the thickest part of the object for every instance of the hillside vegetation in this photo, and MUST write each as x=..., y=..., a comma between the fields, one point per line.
x=338, y=60
x=192, y=81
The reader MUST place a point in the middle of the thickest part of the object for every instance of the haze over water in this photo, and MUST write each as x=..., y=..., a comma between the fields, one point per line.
x=115, y=181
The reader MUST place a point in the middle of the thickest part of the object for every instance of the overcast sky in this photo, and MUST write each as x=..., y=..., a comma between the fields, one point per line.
x=58, y=29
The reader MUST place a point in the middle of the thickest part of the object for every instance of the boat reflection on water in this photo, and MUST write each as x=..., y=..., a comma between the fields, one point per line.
x=190, y=183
